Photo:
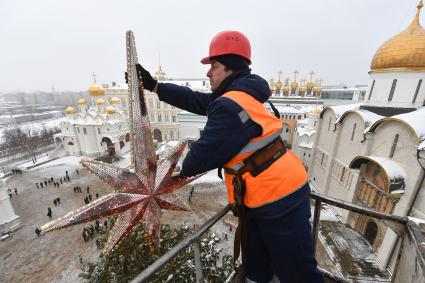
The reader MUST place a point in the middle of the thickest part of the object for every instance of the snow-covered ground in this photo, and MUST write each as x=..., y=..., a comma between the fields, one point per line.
x=54, y=256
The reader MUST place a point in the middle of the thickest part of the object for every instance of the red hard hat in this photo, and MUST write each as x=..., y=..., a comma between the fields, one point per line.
x=229, y=42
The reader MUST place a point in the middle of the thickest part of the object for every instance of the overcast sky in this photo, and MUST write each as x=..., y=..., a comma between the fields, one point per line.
x=61, y=43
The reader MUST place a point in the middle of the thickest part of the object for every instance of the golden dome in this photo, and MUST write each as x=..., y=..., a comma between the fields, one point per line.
x=115, y=100
x=294, y=85
x=286, y=89
x=310, y=85
x=81, y=101
x=70, y=110
x=110, y=110
x=100, y=101
x=278, y=85
x=405, y=51
x=96, y=90
x=318, y=89
x=316, y=111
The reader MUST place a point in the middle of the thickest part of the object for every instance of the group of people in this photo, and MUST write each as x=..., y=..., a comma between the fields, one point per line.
x=9, y=191
x=77, y=189
x=52, y=181
x=88, y=199
x=57, y=201
x=17, y=171
x=89, y=229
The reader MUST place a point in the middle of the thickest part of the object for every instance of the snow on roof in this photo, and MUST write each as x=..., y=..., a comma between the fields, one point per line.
x=416, y=119
x=192, y=83
x=305, y=131
x=393, y=169
x=418, y=221
x=306, y=145
x=293, y=109
x=369, y=117
x=421, y=145
x=341, y=109
x=302, y=122
x=165, y=147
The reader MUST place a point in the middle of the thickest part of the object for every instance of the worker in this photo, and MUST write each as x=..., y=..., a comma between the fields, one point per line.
x=266, y=182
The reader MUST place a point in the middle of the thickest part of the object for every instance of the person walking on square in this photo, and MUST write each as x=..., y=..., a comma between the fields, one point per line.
x=49, y=212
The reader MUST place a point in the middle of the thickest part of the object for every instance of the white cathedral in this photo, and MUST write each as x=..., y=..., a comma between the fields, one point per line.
x=100, y=127
x=373, y=153
x=97, y=129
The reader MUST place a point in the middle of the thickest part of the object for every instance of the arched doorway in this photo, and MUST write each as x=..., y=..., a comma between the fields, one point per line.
x=58, y=141
x=70, y=143
x=127, y=137
x=157, y=135
x=370, y=232
x=121, y=144
x=110, y=146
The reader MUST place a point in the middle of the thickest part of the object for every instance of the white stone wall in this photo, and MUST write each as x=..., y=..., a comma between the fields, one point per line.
x=191, y=125
x=404, y=155
x=404, y=91
x=335, y=150
x=304, y=151
x=287, y=134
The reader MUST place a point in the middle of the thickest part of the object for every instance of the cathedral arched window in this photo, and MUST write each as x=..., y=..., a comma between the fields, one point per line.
x=392, y=90
x=329, y=125
x=342, y=174
x=354, y=131
x=85, y=131
x=394, y=146
x=371, y=90
x=418, y=87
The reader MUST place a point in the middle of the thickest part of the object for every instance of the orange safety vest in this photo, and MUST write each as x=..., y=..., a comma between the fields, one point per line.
x=283, y=177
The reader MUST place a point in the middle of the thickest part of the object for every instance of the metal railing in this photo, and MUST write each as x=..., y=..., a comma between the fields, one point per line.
x=392, y=220
x=192, y=239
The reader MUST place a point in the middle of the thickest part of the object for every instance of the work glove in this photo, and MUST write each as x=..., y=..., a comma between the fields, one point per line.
x=149, y=83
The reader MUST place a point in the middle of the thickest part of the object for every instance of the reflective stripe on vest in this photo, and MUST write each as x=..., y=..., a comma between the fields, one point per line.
x=283, y=177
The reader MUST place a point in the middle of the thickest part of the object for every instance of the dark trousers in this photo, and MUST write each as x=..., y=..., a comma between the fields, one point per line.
x=279, y=241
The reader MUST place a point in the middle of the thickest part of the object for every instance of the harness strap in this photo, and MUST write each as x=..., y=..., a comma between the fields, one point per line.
x=239, y=210
x=259, y=160
x=275, y=111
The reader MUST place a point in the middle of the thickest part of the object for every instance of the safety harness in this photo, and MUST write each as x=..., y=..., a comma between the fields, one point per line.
x=256, y=163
